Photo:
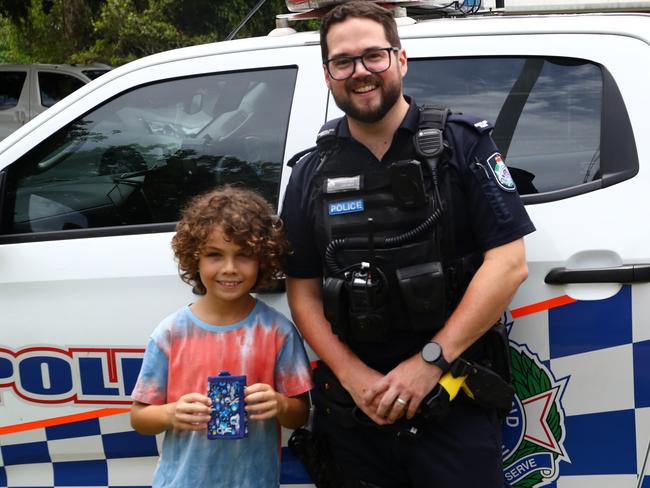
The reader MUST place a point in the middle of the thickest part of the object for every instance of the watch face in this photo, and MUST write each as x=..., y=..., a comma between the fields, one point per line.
x=431, y=352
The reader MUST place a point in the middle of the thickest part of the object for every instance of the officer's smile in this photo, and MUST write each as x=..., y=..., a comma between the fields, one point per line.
x=364, y=89
x=364, y=85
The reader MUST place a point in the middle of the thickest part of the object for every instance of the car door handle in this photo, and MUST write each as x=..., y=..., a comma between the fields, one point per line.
x=629, y=273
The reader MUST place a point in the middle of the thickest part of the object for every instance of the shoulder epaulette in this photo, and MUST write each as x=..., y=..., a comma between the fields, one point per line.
x=480, y=125
x=327, y=131
x=325, y=135
x=298, y=156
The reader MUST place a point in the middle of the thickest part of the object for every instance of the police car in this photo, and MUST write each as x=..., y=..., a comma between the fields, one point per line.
x=90, y=191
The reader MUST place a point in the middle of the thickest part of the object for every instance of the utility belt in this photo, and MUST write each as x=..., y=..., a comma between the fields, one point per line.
x=485, y=383
x=479, y=384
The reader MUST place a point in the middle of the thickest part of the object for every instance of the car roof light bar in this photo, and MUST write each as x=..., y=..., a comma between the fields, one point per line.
x=315, y=9
x=305, y=5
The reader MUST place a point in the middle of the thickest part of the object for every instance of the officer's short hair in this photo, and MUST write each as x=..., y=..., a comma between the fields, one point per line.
x=366, y=10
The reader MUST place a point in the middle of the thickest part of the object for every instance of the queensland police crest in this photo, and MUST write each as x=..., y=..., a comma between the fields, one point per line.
x=500, y=172
x=533, y=432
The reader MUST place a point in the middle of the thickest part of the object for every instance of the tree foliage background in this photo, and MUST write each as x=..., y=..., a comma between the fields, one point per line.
x=118, y=31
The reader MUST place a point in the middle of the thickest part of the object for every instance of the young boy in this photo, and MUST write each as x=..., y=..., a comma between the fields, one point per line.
x=227, y=242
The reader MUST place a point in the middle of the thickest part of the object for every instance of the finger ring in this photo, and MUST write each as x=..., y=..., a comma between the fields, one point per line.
x=401, y=402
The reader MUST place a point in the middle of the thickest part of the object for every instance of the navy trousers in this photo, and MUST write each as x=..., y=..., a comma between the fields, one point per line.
x=461, y=451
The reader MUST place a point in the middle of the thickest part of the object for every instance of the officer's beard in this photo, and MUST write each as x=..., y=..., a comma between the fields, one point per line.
x=391, y=91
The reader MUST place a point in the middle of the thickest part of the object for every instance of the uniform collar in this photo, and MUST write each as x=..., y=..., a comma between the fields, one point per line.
x=412, y=118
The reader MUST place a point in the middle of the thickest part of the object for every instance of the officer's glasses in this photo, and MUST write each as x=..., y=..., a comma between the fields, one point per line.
x=374, y=60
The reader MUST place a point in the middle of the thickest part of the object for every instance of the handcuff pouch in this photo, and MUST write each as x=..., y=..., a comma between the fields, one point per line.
x=423, y=290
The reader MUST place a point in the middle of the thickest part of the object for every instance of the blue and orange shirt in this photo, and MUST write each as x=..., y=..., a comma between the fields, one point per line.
x=181, y=353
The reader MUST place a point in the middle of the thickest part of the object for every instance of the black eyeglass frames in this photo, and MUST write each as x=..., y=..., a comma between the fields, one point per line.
x=374, y=60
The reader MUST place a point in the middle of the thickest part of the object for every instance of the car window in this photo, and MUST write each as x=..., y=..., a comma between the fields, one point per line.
x=139, y=157
x=547, y=112
x=11, y=84
x=55, y=86
x=94, y=73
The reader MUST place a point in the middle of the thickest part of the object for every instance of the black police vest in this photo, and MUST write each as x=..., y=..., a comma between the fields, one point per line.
x=382, y=225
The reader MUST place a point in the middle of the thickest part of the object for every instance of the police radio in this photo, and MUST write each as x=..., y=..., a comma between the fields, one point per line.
x=355, y=302
x=367, y=287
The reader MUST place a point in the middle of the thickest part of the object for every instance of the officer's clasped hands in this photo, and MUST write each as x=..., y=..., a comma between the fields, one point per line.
x=400, y=392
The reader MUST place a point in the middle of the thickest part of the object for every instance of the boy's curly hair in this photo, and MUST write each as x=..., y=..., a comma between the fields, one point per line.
x=246, y=219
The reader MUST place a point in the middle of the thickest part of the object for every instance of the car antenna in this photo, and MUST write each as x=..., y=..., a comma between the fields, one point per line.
x=246, y=19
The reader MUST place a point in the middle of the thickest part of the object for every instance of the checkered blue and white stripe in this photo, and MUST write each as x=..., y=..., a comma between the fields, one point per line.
x=603, y=349
x=97, y=453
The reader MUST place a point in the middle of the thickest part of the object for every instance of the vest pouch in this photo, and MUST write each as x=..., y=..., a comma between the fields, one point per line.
x=368, y=314
x=423, y=290
x=335, y=305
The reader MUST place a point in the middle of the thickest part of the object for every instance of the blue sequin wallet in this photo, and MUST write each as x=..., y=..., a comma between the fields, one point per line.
x=228, y=418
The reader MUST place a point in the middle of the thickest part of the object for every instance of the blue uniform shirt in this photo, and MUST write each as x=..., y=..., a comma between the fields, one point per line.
x=486, y=210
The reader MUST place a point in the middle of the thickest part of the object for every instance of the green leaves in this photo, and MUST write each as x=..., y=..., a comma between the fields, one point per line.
x=118, y=31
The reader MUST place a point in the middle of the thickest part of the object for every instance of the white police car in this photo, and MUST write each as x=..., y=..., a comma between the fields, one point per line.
x=89, y=192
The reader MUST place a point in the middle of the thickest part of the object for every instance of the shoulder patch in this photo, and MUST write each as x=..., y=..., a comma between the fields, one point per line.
x=501, y=173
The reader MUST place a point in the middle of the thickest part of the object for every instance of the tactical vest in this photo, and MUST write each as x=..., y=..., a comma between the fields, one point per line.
x=385, y=265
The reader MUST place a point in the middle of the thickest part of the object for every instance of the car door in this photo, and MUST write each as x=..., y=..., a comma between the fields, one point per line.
x=89, y=202
x=50, y=86
x=14, y=98
x=570, y=114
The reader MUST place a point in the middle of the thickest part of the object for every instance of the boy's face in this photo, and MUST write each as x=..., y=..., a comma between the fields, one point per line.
x=228, y=271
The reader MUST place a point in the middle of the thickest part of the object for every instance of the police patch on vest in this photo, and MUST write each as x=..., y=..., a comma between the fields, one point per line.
x=501, y=173
x=346, y=206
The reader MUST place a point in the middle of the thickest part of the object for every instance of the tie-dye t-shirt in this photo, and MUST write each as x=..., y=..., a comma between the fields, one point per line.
x=181, y=353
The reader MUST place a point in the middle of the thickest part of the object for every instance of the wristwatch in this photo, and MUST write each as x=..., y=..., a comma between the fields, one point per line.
x=432, y=354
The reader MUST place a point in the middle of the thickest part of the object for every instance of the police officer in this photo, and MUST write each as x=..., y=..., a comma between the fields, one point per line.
x=352, y=303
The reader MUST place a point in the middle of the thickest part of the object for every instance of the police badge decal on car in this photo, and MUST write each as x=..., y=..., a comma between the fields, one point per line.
x=533, y=431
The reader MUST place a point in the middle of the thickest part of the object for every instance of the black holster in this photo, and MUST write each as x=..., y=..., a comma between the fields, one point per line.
x=313, y=452
x=498, y=351
x=332, y=400
x=490, y=380
x=488, y=388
